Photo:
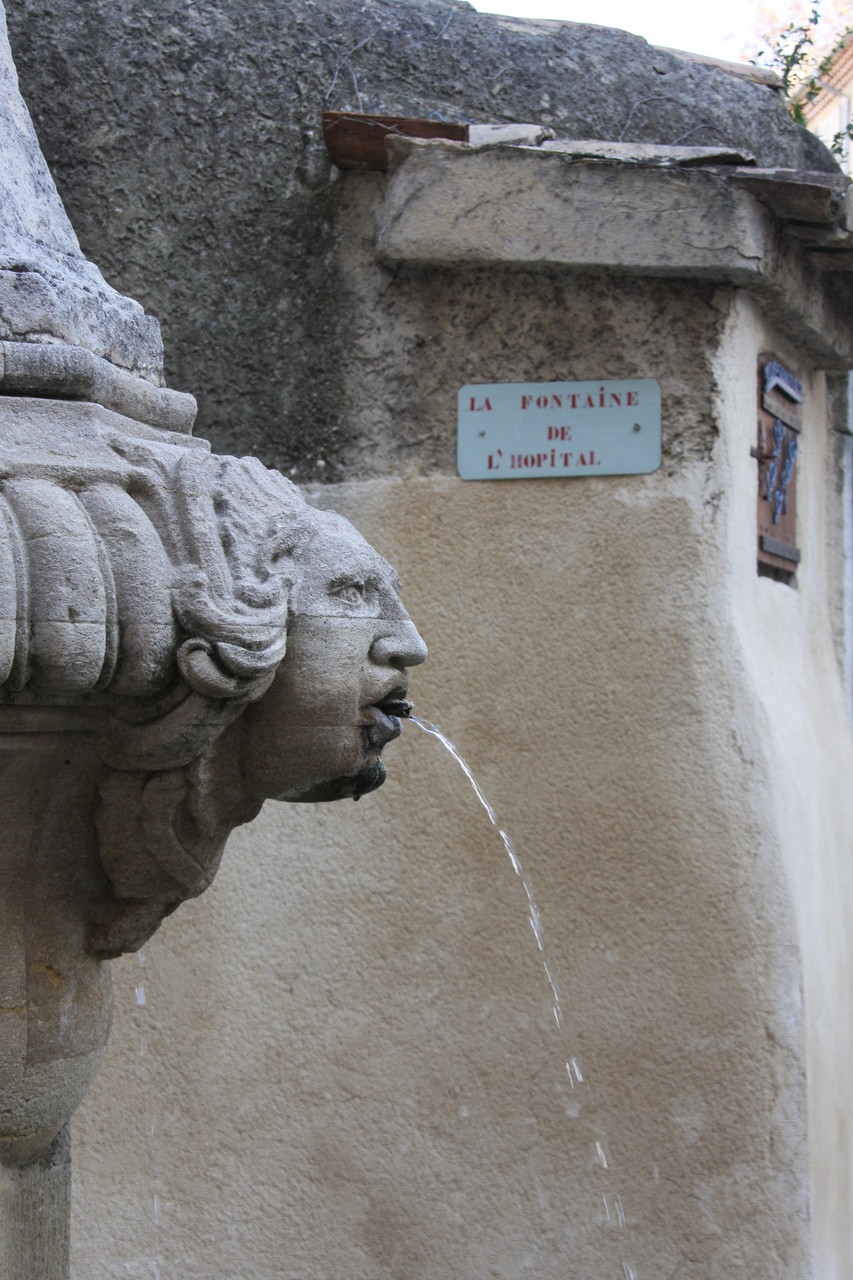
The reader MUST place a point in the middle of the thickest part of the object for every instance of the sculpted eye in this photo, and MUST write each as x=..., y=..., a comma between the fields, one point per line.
x=351, y=592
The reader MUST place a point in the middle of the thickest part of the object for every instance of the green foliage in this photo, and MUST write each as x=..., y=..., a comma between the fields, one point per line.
x=838, y=146
x=792, y=55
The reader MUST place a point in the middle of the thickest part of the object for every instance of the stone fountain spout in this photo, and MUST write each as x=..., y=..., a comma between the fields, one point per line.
x=182, y=637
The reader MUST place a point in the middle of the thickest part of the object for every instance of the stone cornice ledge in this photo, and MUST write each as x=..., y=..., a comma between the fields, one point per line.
x=448, y=204
x=63, y=372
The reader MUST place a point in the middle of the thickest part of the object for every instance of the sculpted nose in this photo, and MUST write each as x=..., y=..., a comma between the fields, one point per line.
x=400, y=646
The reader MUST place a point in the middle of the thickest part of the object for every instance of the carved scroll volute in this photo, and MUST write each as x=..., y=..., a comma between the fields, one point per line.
x=85, y=589
x=66, y=638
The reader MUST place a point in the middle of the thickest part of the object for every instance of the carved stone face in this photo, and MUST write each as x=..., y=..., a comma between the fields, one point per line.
x=318, y=733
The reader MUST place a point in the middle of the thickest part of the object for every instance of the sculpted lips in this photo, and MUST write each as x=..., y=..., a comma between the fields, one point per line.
x=382, y=719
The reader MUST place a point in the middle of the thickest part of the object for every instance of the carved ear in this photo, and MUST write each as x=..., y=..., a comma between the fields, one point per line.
x=202, y=673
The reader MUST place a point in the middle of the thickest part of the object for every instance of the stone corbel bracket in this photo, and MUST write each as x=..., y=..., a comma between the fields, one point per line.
x=85, y=607
x=562, y=206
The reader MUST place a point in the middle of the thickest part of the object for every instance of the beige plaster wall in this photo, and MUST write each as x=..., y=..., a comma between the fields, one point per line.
x=795, y=657
x=346, y=1066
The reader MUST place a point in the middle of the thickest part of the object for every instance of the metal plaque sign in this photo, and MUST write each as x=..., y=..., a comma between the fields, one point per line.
x=530, y=430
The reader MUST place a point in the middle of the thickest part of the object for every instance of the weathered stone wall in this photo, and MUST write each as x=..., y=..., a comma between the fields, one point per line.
x=185, y=140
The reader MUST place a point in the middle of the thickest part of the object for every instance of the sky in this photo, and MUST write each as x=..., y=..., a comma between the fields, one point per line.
x=723, y=29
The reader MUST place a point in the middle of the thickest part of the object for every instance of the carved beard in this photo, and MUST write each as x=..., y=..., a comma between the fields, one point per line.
x=369, y=777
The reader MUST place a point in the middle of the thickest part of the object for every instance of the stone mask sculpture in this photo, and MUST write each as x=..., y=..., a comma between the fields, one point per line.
x=181, y=637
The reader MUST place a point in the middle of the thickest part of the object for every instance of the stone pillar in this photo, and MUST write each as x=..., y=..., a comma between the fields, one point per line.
x=35, y=1215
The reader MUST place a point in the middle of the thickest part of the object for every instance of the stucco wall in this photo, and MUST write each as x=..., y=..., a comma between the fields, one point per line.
x=795, y=664
x=346, y=1063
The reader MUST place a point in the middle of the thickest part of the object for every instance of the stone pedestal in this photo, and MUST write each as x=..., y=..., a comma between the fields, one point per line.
x=35, y=1215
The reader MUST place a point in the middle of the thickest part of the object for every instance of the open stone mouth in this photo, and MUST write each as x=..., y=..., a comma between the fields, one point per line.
x=397, y=707
x=384, y=719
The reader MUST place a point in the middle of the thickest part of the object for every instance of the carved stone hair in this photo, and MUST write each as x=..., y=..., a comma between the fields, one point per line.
x=234, y=531
x=155, y=600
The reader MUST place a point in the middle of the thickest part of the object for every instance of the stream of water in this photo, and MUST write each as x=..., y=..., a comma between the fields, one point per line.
x=141, y=999
x=613, y=1209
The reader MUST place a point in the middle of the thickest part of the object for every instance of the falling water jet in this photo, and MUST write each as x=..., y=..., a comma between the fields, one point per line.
x=573, y=1067
x=533, y=911
x=154, y=1144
